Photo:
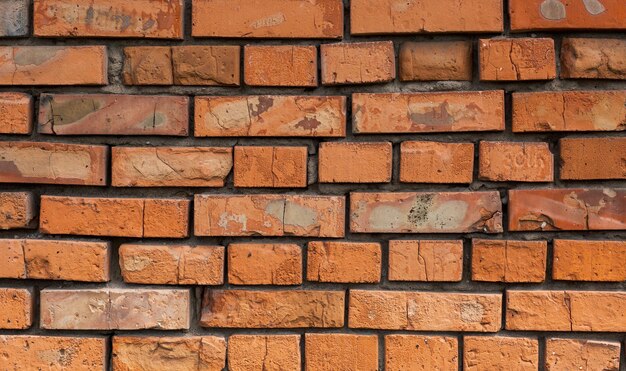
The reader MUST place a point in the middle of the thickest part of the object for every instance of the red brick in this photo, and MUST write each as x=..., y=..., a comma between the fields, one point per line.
x=569, y=111
x=428, y=112
x=207, y=65
x=576, y=260
x=436, y=61
x=567, y=209
x=509, y=261
x=321, y=19
x=370, y=17
x=593, y=58
x=272, y=309
x=593, y=158
x=426, y=260
x=16, y=113
x=264, y=264
x=271, y=167
x=16, y=309
x=53, y=65
x=109, y=18
x=270, y=116
x=172, y=265
x=358, y=63
x=574, y=354
x=53, y=163
x=264, y=352
x=170, y=166
x=517, y=59
x=409, y=352
x=116, y=217
x=529, y=15
x=425, y=311
x=148, y=65
x=114, y=309
x=344, y=262
x=17, y=210
x=425, y=212
x=500, y=353
x=343, y=162
x=53, y=352
x=269, y=215
x=113, y=114
x=330, y=352
x=436, y=162
x=516, y=161
x=280, y=65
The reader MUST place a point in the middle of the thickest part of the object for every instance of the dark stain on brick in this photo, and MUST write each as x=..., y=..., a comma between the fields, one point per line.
x=308, y=123
x=421, y=206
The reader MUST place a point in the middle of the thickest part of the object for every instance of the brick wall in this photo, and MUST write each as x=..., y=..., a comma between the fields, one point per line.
x=312, y=184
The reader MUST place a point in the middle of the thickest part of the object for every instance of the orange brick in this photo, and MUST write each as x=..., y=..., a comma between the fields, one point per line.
x=344, y=262
x=172, y=265
x=574, y=354
x=53, y=65
x=330, y=352
x=322, y=19
x=593, y=58
x=109, y=18
x=272, y=309
x=264, y=352
x=148, y=65
x=16, y=309
x=425, y=311
x=576, y=260
x=17, y=210
x=509, y=261
x=517, y=59
x=207, y=65
x=264, y=264
x=593, y=158
x=280, y=65
x=53, y=352
x=16, y=113
x=436, y=61
x=436, y=162
x=500, y=353
x=343, y=162
x=516, y=161
x=409, y=352
x=358, y=63
x=426, y=260
x=271, y=166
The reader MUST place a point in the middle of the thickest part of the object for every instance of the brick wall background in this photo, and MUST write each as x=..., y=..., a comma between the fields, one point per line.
x=312, y=184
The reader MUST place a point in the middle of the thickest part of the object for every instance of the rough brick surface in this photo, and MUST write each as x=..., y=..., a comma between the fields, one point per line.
x=206, y=65
x=517, y=59
x=520, y=162
x=435, y=61
x=280, y=65
x=16, y=113
x=499, y=353
x=264, y=264
x=593, y=58
x=573, y=354
x=344, y=262
x=355, y=162
x=436, y=162
x=53, y=352
x=271, y=352
x=589, y=260
x=16, y=309
x=273, y=167
x=326, y=352
x=413, y=352
x=424, y=260
x=581, y=158
x=529, y=15
x=148, y=65
x=14, y=18
x=17, y=210
x=509, y=261
x=357, y=63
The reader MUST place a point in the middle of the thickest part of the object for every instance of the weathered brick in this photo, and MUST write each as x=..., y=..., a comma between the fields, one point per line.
x=14, y=18
x=573, y=354
x=576, y=260
x=113, y=114
x=168, y=353
x=321, y=19
x=280, y=65
x=425, y=212
x=264, y=352
x=330, y=352
x=16, y=112
x=272, y=309
x=500, y=353
x=114, y=309
x=53, y=163
x=172, y=265
x=17, y=210
x=54, y=260
x=16, y=309
x=358, y=63
x=270, y=166
x=269, y=215
x=593, y=58
x=148, y=65
x=109, y=18
x=409, y=352
x=170, y=166
x=264, y=264
x=509, y=261
x=116, y=217
x=344, y=262
x=53, y=65
x=270, y=116
x=428, y=112
x=425, y=311
x=569, y=111
x=426, y=260
x=517, y=59
x=342, y=162
x=207, y=65
x=372, y=17
x=53, y=352
x=516, y=161
x=436, y=162
x=593, y=158
x=436, y=61
x=567, y=209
